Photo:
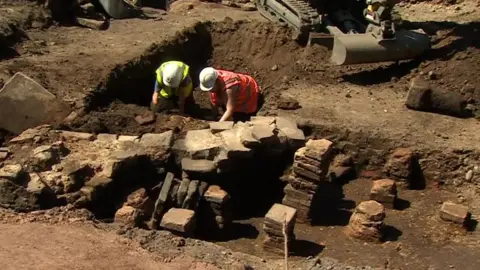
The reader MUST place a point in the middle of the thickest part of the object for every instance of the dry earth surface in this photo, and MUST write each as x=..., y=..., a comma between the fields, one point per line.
x=361, y=105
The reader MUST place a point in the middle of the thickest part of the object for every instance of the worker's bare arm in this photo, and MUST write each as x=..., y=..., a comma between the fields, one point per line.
x=230, y=106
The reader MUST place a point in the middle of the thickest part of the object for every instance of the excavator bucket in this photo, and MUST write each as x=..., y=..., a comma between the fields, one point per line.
x=349, y=49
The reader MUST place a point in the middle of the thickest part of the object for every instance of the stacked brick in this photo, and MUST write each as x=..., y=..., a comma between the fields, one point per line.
x=277, y=217
x=216, y=208
x=310, y=168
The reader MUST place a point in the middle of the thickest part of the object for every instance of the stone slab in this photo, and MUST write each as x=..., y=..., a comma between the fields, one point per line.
x=198, y=144
x=233, y=145
x=179, y=220
x=217, y=127
x=198, y=166
x=126, y=138
x=279, y=213
x=105, y=137
x=161, y=140
x=285, y=122
x=295, y=136
x=318, y=149
x=263, y=133
x=162, y=198
x=26, y=104
x=216, y=194
x=192, y=193
x=182, y=191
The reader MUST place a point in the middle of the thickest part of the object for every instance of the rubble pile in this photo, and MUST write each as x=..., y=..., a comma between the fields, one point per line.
x=366, y=222
x=310, y=167
x=278, y=217
x=129, y=177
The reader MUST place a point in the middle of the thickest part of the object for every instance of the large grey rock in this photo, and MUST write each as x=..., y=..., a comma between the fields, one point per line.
x=161, y=140
x=198, y=144
x=26, y=104
x=423, y=96
x=46, y=197
x=233, y=145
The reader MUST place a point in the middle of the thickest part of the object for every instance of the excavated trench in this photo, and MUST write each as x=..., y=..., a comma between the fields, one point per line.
x=265, y=51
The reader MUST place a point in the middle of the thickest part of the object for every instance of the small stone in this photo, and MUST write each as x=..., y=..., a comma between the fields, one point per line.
x=288, y=103
x=93, y=24
x=140, y=200
x=455, y=213
x=104, y=137
x=145, y=119
x=3, y=156
x=251, y=7
x=163, y=140
x=384, y=191
x=217, y=127
x=70, y=135
x=216, y=195
x=179, y=220
x=127, y=215
x=469, y=175
x=229, y=3
x=274, y=67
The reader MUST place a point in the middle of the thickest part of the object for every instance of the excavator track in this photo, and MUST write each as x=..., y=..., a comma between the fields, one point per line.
x=296, y=13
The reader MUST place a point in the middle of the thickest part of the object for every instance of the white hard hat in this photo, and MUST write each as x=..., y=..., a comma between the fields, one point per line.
x=172, y=75
x=208, y=77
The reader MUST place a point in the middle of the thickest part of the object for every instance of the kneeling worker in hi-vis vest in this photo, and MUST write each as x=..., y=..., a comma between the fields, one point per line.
x=173, y=84
x=238, y=93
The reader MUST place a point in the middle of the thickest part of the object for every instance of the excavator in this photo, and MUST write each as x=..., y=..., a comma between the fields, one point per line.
x=356, y=32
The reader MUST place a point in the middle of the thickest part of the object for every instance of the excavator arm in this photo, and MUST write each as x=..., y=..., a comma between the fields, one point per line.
x=352, y=40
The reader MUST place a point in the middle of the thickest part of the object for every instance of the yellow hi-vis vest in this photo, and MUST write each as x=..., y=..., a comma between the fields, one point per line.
x=167, y=92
